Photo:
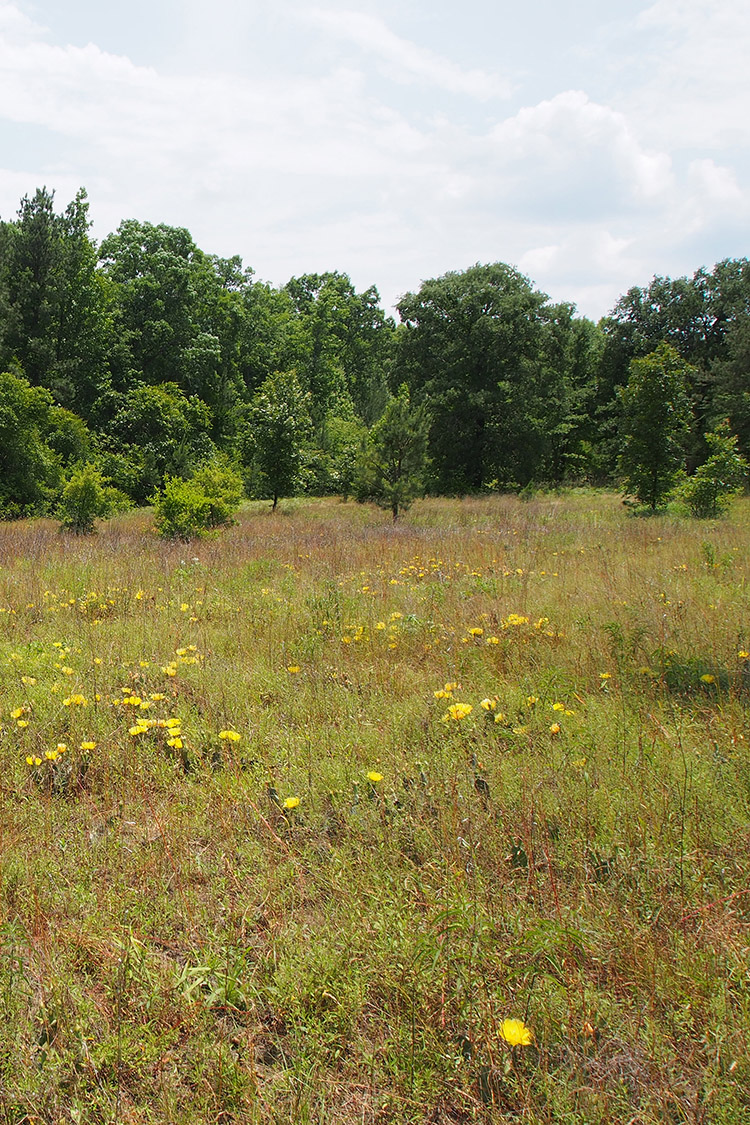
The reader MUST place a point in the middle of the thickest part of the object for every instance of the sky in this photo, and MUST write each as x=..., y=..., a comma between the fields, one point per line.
x=591, y=145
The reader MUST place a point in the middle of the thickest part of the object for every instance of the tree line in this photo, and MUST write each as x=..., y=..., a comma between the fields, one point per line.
x=149, y=359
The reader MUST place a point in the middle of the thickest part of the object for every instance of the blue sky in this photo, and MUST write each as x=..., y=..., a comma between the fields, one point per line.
x=591, y=145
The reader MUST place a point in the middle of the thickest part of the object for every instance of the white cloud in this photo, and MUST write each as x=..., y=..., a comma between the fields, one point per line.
x=577, y=155
x=304, y=167
x=16, y=26
x=406, y=61
x=696, y=87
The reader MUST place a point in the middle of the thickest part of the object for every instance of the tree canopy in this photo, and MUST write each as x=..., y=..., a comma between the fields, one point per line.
x=147, y=357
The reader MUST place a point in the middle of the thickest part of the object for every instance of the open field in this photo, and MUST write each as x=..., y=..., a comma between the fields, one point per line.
x=209, y=912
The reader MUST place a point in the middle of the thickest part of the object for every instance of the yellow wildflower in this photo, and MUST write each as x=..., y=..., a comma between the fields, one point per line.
x=290, y=803
x=516, y=1033
x=457, y=711
x=374, y=777
x=230, y=735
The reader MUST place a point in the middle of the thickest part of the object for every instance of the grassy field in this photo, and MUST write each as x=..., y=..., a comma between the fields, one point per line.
x=293, y=820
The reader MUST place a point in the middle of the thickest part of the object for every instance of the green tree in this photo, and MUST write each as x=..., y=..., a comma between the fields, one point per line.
x=393, y=464
x=495, y=363
x=340, y=344
x=279, y=426
x=58, y=322
x=29, y=468
x=655, y=424
x=161, y=431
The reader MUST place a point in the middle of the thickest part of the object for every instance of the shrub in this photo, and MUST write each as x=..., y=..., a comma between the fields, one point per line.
x=188, y=509
x=721, y=476
x=85, y=498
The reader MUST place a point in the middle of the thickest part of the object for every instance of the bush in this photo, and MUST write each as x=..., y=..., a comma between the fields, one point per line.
x=709, y=491
x=85, y=498
x=189, y=509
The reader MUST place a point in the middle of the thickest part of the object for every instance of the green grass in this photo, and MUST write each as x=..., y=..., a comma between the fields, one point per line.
x=176, y=946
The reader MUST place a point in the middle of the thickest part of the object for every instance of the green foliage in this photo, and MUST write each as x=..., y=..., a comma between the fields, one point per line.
x=86, y=498
x=189, y=509
x=69, y=436
x=505, y=376
x=162, y=431
x=391, y=469
x=709, y=491
x=29, y=469
x=58, y=322
x=655, y=413
x=279, y=424
x=159, y=349
x=339, y=343
x=331, y=466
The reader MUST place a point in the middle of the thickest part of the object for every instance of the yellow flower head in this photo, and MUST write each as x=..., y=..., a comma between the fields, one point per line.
x=88, y=746
x=290, y=803
x=708, y=678
x=229, y=735
x=457, y=711
x=476, y=632
x=374, y=777
x=489, y=704
x=516, y=1033
x=516, y=619
x=555, y=728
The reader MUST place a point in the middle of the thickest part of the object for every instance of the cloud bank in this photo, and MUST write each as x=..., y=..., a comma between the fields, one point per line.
x=384, y=158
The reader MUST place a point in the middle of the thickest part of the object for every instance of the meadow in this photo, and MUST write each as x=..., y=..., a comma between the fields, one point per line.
x=295, y=820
